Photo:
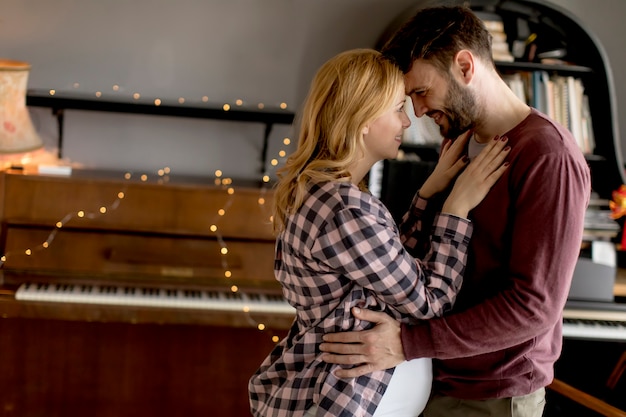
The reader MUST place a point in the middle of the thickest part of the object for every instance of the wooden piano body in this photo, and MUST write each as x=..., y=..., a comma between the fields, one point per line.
x=79, y=356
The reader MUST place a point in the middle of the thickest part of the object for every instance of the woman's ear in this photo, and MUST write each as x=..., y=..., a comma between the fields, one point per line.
x=366, y=130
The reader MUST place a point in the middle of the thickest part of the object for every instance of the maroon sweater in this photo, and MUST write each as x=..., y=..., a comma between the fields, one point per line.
x=504, y=334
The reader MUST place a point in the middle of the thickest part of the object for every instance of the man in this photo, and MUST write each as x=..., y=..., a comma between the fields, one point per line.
x=494, y=353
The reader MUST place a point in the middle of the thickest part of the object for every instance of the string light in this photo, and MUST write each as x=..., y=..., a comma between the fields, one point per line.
x=59, y=225
x=163, y=174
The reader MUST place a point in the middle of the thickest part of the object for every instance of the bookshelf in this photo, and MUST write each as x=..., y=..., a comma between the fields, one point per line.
x=547, y=40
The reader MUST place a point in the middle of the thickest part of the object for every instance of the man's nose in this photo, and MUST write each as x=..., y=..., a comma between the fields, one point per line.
x=419, y=107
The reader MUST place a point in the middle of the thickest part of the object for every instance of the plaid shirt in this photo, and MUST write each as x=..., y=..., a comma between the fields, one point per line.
x=340, y=250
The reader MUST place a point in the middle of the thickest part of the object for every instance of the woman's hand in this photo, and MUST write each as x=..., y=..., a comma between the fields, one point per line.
x=451, y=162
x=472, y=186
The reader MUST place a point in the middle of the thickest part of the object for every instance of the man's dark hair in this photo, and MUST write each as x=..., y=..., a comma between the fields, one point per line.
x=436, y=34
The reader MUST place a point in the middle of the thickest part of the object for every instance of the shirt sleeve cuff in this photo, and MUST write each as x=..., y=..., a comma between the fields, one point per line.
x=416, y=341
x=453, y=227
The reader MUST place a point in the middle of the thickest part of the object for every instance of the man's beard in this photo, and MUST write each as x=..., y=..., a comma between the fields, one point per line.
x=460, y=111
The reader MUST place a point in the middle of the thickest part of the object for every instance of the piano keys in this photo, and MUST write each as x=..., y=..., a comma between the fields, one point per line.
x=156, y=297
x=600, y=321
x=579, y=323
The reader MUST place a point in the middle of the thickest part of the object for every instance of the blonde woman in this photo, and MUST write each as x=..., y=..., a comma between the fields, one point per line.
x=338, y=247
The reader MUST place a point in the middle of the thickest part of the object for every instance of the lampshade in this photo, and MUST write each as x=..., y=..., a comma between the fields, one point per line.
x=17, y=133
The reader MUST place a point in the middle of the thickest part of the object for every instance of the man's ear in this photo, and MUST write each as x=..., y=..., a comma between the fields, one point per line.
x=464, y=63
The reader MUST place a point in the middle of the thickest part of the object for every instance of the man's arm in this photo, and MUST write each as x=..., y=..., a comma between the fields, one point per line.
x=371, y=350
x=523, y=310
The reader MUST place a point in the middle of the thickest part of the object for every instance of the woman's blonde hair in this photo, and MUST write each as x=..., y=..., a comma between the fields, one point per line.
x=349, y=91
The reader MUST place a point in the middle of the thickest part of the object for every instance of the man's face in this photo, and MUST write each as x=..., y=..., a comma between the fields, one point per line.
x=448, y=103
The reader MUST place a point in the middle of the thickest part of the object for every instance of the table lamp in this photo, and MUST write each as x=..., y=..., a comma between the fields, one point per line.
x=17, y=133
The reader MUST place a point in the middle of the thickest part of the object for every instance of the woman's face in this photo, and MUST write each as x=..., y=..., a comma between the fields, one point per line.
x=382, y=138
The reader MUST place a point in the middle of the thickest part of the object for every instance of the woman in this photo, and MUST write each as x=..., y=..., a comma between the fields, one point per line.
x=338, y=247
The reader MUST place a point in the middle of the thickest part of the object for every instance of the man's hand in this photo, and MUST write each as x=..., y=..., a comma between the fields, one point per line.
x=372, y=350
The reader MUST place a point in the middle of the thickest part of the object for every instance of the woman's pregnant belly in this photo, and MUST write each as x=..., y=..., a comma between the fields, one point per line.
x=408, y=390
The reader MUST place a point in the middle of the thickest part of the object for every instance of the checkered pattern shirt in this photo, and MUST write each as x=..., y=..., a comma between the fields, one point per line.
x=340, y=250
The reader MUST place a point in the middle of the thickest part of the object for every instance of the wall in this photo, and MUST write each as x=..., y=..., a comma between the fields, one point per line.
x=254, y=50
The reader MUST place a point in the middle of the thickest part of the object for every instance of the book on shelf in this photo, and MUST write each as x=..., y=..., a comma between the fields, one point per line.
x=499, y=45
x=561, y=97
x=599, y=225
x=600, y=219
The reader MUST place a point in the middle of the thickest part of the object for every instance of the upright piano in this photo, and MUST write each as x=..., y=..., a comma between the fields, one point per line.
x=126, y=294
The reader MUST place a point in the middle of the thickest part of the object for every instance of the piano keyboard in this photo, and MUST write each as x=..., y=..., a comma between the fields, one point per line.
x=580, y=323
x=608, y=325
x=155, y=297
